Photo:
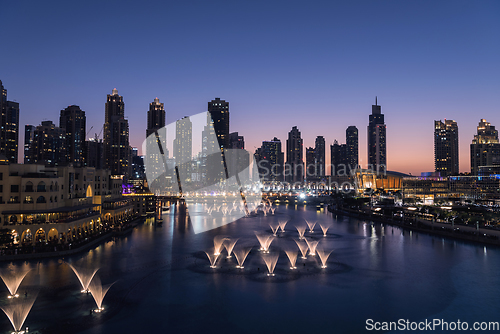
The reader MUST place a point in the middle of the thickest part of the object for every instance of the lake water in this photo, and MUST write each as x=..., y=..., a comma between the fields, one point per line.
x=163, y=282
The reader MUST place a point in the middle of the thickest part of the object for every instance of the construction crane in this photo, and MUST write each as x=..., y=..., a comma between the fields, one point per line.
x=98, y=135
x=86, y=136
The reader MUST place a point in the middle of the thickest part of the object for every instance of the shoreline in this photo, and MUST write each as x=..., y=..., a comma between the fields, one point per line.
x=63, y=253
x=436, y=229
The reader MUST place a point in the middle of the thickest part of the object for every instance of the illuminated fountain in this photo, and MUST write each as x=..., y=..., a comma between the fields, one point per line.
x=323, y=255
x=324, y=227
x=303, y=247
x=301, y=229
x=13, y=280
x=282, y=224
x=219, y=244
x=84, y=275
x=18, y=311
x=98, y=292
x=274, y=228
x=270, y=260
x=229, y=245
x=272, y=210
x=312, y=244
x=264, y=241
x=311, y=225
x=212, y=257
x=241, y=254
x=292, y=257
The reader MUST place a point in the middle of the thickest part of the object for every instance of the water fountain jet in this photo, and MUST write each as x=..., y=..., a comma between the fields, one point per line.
x=18, y=311
x=270, y=260
x=219, y=244
x=274, y=228
x=13, y=280
x=323, y=255
x=311, y=226
x=292, y=257
x=312, y=244
x=98, y=291
x=84, y=275
x=303, y=247
x=301, y=229
x=264, y=241
x=324, y=227
x=229, y=245
x=282, y=224
x=212, y=257
x=241, y=254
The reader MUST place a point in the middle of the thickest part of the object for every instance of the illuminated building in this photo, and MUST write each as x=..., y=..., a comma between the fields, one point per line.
x=116, y=135
x=485, y=147
x=74, y=121
x=9, y=127
x=294, y=167
x=446, y=147
x=377, y=155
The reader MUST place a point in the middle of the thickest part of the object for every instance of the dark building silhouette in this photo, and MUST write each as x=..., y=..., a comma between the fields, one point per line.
x=270, y=159
x=377, y=155
x=338, y=154
x=29, y=132
x=156, y=117
x=238, y=160
x=74, y=121
x=446, y=147
x=219, y=111
x=485, y=147
x=183, y=147
x=351, y=137
x=9, y=127
x=311, y=165
x=294, y=167
x=94, y=153
x=319, y=156
x=116, y=136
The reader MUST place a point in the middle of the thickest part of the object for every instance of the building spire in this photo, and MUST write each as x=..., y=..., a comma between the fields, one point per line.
x=375, y=100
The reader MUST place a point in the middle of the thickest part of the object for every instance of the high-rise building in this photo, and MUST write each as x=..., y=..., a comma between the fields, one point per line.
x=238, y=159
x=446, y=147
x=116, y=135
x=9, y=127
x=183, y=146
x=338, y=154
x=270, y=159
x=319, y=156
x=294, y=168
x=311, y=165
x=485, y=147
x=94, y=153
x=377, y=155
x=351, y=137
x=156, y=117
x=29, y=131
x=49, y=145
x=74, y=121
x=219, y=111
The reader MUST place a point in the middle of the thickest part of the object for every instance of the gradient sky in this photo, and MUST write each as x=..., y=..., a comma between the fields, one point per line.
x=315, y=64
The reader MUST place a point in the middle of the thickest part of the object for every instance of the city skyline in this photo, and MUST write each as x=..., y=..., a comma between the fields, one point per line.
x=424, y=61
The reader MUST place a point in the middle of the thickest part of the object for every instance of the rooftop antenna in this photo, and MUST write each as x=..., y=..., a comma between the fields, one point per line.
x=375, y=100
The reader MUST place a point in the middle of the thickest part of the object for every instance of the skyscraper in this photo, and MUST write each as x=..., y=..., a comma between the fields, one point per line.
x=183, y=146
x=485, y=147
x=9, y=127
x=238, y=160
x=338, y=154
x=377, y=155
x=311, y=166
x=294, y=168
x=446, y=147
x=219, y=111
x=156, y=117
x=74, y=121
x=270, y=160
x=49, y=145
x=351, y=137
x=29, y=132
x=116, y=135
x=319, y=156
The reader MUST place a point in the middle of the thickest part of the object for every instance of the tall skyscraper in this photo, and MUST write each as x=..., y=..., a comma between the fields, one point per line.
x=338, y=154
x=29, y=132
x=74, y=121
x=446, y=147
x=116, y=135
x=485, y=147
x=156, y=117
x=377, y=155
x=49, y=145
x=311, y=165
x=183, y=145
x=219, y=110
x=351, y=137
x=238, y=160
x=319, y=156
x=9, y=127
x=294, y=168
x=270, y=159
x=94, y=148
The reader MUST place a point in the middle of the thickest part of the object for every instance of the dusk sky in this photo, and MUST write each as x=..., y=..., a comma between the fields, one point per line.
x=317, y=65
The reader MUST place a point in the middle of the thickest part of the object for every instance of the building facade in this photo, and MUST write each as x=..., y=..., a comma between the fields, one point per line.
x=219, y=111
x=377, y=153
x=294, y=167
x=352, y=146
x=485, y=147
x=74, y=121
x=319, y=157
x=48, y=146
x=9, y=127
x=446, y=147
